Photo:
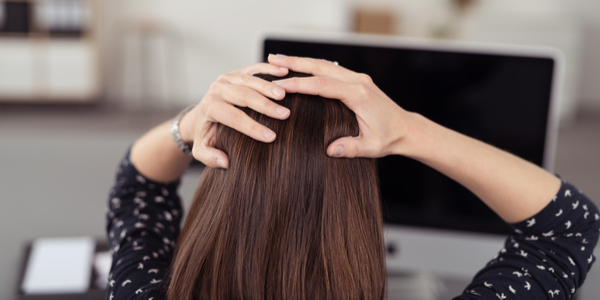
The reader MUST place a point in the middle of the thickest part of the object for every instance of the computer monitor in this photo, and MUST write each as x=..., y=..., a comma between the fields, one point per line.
x=503, y=95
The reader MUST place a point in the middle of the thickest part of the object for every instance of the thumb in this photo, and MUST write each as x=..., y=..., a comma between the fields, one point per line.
x=346, y=147
x=211, y=157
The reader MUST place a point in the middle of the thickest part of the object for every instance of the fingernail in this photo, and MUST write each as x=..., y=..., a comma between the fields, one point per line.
x=282, y=111
x=280, y=55
x=337, y=151
x=269, y=135
x=221, y=163
x=283, y=69
x=278, y=91
x=278, y=82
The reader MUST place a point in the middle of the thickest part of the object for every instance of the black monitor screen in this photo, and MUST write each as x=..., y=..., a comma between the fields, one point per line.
x=502, y=100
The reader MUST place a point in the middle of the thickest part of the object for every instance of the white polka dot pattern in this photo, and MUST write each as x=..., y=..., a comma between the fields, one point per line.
x=548, y=258
x=144, y=220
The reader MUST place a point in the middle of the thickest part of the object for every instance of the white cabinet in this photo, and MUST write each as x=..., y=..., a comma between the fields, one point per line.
x=49, y=62
x=17, y=69
x=70, y=71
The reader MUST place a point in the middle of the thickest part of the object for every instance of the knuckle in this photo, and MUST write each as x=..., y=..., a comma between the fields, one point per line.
x=246, y=95
x=215, y=86
x=245, y=79
x=235, y=118
x=234, y=72
x=204, y=105
x=288, y=59
x=265, y=65
x=266, y=87
x=197, y=152
x=322, y=63
x=292, y=81
x=352, y=150
x=269, y=105
x=209, y=112
x=321, y=81
x=361, y=89
x=365, y=79
x=256, y=128
x=253, y=127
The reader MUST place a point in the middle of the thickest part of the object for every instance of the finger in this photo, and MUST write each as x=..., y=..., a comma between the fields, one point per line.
x=317, y=67
x=265, y=68
x=211, y=157
x=203, y=150
x=347, y=147
x=232, y=117
x=245, y=97
x=260, y=85
x=317, y=85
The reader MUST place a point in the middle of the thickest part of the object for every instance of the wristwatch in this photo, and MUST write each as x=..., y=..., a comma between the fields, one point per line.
x=175, y=131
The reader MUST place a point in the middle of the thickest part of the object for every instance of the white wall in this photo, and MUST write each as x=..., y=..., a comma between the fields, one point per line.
x=589, y=10
x=216, y=36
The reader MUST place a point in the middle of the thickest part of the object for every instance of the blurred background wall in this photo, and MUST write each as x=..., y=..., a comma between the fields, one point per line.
x=213, y=37
x=168, y=52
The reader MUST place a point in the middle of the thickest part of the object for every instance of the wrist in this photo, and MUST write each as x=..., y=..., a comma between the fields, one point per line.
x=428, y=142
x=186, y=127
x=410, y=127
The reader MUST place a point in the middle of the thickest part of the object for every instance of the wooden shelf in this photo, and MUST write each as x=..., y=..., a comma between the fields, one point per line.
x=54, y=60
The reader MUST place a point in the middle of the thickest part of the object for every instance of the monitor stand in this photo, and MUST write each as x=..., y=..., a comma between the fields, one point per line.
x=441, y=252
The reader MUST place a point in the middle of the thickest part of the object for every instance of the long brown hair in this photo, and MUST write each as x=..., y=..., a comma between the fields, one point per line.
x=285, y=221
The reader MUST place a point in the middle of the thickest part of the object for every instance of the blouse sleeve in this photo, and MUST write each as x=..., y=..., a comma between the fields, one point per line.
x=143, y=223
x=548, y=258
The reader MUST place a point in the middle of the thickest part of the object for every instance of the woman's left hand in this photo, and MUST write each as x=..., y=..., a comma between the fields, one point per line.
x=238, y=88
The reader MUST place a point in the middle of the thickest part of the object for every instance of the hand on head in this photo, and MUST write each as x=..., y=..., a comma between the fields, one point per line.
x=381, y=121
x=237, y=88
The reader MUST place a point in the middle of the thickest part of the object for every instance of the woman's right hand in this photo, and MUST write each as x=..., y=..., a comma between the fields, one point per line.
x=383, y=124
x=238, y=88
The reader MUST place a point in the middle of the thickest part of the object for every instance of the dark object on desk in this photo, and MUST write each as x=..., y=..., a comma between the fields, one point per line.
x=93, y=293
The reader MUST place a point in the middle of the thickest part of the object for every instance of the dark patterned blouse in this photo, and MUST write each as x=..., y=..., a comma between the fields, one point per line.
x=547, y=258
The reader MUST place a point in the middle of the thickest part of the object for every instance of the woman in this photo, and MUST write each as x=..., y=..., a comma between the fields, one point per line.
x=557, y=227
